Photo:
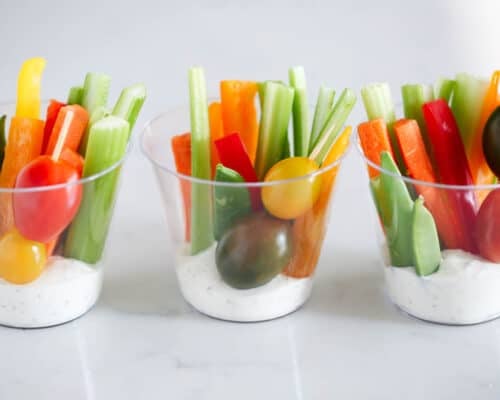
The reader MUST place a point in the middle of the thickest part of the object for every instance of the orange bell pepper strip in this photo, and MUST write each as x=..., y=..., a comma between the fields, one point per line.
x=419, y=167
x=72, y=120
x=181, y=147
x=216, y=132
x=239, y=114
x=309, y=230
x=481, y=173
x=374, y=139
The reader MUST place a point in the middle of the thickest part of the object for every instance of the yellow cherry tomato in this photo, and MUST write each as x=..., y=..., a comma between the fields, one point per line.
x=292, y=199
x=21, y=260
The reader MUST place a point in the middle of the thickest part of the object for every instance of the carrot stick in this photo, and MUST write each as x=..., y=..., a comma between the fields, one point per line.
x=181, y=147
x=68, y=129
x=239, y=113
x=374, y=139
x=216, y=131
x=419, y=167
x=481, y=173
x=52, y=112
x=23, y=145
x=309, y=230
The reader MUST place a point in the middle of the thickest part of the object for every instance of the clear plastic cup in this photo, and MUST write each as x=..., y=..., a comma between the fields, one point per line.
x=49, y=283
x=261, y=267
x=465, y=289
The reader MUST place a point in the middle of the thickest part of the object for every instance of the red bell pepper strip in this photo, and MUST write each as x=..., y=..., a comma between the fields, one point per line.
x=233, y=154
x=50, y=120
x=452, y=169
x=181, y=147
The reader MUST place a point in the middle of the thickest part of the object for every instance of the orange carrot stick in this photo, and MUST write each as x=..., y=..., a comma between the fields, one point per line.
x=216, y=131
x=374, y=139
x=24, y=144
x=309, y=230
x=77, y=118
x=181, y=147
x=481, y=173
x=239, y=113
x=419, y=167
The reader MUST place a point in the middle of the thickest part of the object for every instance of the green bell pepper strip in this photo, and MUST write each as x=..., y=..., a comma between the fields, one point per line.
x=108, y=139
x=397, y=221
x=425, y=240
x=201, y=193
x=301, y=132
x=230, y=202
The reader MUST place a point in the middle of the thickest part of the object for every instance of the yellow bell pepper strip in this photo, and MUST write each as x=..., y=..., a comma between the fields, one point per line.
x=239, y=114
x=28, y=88
x=481, y=172
x=309, y=229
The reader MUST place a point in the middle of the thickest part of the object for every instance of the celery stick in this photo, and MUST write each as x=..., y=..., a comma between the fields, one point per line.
x=378, y=103
x=414, y=96
x=75, y=95
x=108, y=139
x=98, y=114
x=324, y=106
x=274, y=119
x=466, y=105
x=95, y=91
x=333, y=125
x=130, y=102
x=443, y=89
x=3, y=142
x=201, y=196
x=301, y=132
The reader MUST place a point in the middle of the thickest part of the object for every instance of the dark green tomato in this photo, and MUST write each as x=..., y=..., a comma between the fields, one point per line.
x=254, y=251
x=491, y=142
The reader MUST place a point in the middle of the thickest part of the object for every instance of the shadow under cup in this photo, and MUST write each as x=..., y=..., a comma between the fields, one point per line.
x=465, y=289
x=53, y=281
x=251, y=266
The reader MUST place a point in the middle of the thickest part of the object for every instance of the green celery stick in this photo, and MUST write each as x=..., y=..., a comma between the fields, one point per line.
x=425, y=240
x=443, y=89
x=130, y=102
x=274, y=119
x=108, y=139
x=333, y=125
x=98, y=114
x=75, y=95
x=398, y=221
x=414, y=97
x=201, y=196
x=288, y=148
x=324, y=106
x=378, y=103
x=466, y=105
x=3, y=140
x=301, y=132
x=95, y=94
x=231, y=202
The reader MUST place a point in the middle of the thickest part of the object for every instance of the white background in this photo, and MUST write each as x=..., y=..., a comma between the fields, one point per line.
x=348, y=342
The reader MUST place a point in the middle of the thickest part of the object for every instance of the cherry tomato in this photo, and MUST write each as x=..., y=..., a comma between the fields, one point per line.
x=21, y=260
x=291, y=200
x=488, y=228
x=42, y=216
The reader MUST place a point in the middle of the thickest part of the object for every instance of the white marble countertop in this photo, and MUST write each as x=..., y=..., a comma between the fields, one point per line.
x=348, y=342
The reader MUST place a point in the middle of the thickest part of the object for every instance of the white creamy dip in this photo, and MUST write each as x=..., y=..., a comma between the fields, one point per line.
x=66, y=289
x=465, y=290
x=203, y=288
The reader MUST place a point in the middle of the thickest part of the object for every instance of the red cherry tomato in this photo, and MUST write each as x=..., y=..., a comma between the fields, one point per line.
x=488, y=227
x=42, y=216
